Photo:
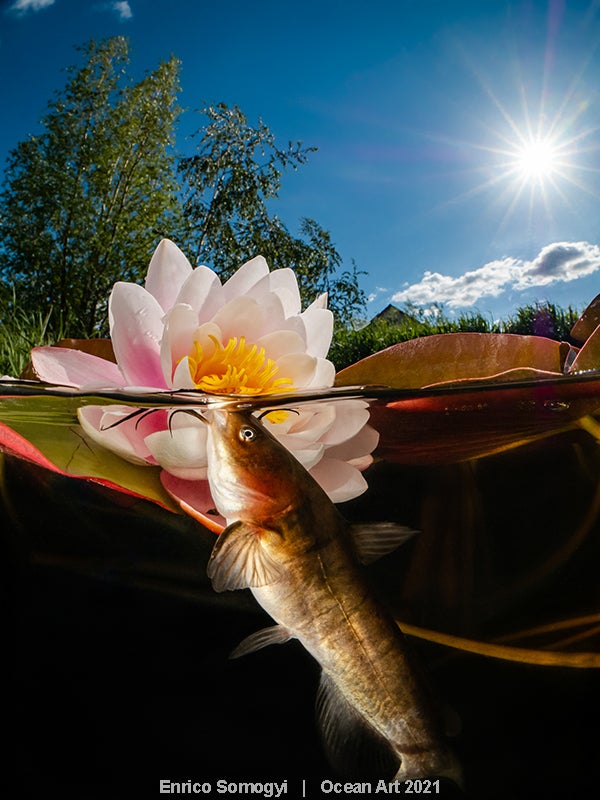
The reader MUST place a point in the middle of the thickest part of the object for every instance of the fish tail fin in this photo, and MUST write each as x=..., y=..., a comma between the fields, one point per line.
x=352, y=746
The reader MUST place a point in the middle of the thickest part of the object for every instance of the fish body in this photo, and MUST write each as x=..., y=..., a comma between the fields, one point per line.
x=288, y=542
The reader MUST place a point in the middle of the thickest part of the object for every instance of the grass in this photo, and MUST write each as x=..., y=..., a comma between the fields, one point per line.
x=20, y=331
x=540, y=319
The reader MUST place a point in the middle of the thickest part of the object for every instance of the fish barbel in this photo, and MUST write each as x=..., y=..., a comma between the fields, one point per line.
x=287, y=541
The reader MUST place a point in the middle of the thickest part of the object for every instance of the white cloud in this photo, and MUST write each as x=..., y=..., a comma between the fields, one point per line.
x=23, y=6
x=557, y=262
x=123, y=9
x=378, y=290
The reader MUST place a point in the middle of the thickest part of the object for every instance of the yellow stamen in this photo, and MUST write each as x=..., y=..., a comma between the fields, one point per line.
x=277, y=417
x=237, y=368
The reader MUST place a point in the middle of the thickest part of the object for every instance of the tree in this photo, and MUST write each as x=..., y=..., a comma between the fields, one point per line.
x=227, y=185
x=84, y=202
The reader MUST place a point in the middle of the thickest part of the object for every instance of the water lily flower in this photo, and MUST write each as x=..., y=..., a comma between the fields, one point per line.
x=184, y=329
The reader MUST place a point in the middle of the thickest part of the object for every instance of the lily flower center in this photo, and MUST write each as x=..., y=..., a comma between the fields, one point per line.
x=237, y=368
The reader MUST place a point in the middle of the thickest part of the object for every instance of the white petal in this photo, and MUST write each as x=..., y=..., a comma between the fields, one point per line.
x=203, y=292
x=320, y=302
x=281, y=343
x=312, y=421
x=245, y=277
x=297, y=366
x=182, y=377
x=283, y=283
x=319, y=330
x=271, y=312
x=136, y=328
x=181, y=451
x=340, y=480
x=351, y=416
x=167, y=272
x=324, y=374
x=356, y=447
x=241, y=317
x=308, y=454
x=296, y=324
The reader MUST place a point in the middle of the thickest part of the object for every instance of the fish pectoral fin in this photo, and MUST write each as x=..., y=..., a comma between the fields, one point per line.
x=239, y=560
x=353, y=747
x=376, y=539
x=276, y=634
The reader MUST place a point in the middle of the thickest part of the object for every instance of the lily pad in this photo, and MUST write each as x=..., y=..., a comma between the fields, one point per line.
x=588, y=322
x=451, y=357
x=588, y=358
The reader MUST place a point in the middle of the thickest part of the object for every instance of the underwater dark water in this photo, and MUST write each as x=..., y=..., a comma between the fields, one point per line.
x=116, y=648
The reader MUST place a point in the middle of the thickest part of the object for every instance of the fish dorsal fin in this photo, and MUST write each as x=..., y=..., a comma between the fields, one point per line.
x=276, y=634
x=239, y=560
x=376, y=539
x=352, y=746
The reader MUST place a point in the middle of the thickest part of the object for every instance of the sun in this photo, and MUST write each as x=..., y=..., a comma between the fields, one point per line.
x=536, y=164
x=539, y=159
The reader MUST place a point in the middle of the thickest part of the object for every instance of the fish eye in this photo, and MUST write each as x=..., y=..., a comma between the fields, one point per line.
x=247, y=434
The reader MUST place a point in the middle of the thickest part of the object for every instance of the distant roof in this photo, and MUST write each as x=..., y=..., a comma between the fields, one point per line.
x=390, y=314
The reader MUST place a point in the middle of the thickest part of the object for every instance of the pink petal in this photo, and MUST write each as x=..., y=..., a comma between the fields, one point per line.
x=75, y=368
x=195, y=499
x=167, y=271
x=136, y=329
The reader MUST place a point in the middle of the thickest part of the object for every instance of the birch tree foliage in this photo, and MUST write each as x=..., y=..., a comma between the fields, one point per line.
x=229, y=186
x=85, y=200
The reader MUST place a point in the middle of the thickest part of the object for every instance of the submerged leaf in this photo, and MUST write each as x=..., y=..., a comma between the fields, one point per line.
x=45, y=430
x=457, y=424
x=523, y=655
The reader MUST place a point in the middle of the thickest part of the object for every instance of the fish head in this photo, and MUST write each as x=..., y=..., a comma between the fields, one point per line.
x=250, y=473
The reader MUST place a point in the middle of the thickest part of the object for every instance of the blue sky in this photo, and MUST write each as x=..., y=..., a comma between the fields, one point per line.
x=458, y=142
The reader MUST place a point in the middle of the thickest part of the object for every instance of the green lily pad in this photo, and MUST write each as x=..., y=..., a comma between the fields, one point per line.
x=45, y=430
